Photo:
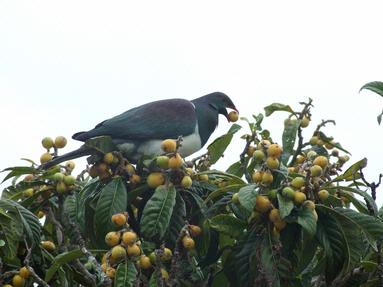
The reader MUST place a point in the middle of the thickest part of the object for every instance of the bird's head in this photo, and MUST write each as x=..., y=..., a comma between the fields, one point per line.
x=220, y=102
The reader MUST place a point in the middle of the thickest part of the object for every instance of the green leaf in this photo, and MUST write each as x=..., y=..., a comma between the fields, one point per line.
x=379, y=117
x=103, y=144
x=112, y=200
x=11, y=234
x=269, y=261
x=219, y=145
x=60, y=260
x=177, y=221
x=352, y=171
x=285, y=205
x=235, y=169
x=18, y=170
x=247, y=196
x=277, y=107
x=223, y=190
x=288, y=140
x=158, y=211
x=376, y=87
x=307, y=220
x=228, y=224
x=125, y=275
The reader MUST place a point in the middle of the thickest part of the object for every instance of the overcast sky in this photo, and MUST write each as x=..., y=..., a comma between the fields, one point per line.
x=67, y=65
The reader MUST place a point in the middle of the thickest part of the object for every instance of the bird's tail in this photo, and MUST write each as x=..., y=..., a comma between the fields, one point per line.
x=82, y=151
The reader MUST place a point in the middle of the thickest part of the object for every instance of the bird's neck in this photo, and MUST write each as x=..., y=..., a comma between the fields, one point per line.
x=207, y=120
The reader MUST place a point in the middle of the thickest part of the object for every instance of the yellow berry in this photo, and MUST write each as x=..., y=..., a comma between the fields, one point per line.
x=194, y=230
x=112, y=238
x=145, y=262
x=300, y=159
x=188, y=242
x=110, y=272
x=233, y=116
x=176, y=161
x=309, y=204
x=267, y=178
x=257, y=176
x=262, y=203
x=24, y=272
x=40, y=214
x=167, y=254
x=169, y=145
x=155, y=179
x=69, y=179
x=135, y=179
x=321, y=160
x=305, y=122
x=314, y=140
x=61, y=187
x=18, y=281
x=280, y=224
x=288, y=192
x=119, y=219
x=186, y=181
x=299, y=197
x=48, y=245
x=274, y=150
x=250, y=151
x=47, y=142
x=70, y=165
x=316, y=170
x=323, y=194
x=60, y=142
x=118, y=252
x=259, y=155
x=45, y=157
x=235, y=198
x=130, y=169
x=133, y=250
x=274, y=215
x=28, y=192
x=108, y=158
x=163, y=161
x=164, y=274
x=272, y=163
x=298, y=182
x=129, y=237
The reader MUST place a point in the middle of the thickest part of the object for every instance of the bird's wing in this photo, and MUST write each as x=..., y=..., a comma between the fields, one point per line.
x=156, y=120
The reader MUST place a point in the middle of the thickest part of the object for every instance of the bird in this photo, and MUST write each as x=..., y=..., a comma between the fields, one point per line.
x=139, y=131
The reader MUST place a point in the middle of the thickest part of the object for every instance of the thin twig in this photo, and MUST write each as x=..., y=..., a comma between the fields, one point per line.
x=27, y=258
x=249, y=140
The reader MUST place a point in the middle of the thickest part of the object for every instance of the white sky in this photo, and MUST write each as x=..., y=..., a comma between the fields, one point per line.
x=67, y=65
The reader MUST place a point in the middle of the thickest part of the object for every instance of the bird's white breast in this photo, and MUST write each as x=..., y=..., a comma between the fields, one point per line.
x=190, y=144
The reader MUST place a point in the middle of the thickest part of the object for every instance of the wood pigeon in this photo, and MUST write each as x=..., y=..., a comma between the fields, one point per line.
x=140, y=131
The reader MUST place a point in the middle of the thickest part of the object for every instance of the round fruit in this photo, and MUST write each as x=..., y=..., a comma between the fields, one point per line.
x=7, y=285
x=344, y=158
x=112, y=238
x=335, y=152
x=316, y=170
x=300, y=159
x=169, y=145
x=290, y=169
x=28, y=192
x=152, y=257
x=135, y=179
x=299, y=197
x=47, y=142
x=233, y=116
x=129, y=237
x=298, y=182
x=167, y=254
x=257, y=176
x=194, y=230
x=163, y=161
x=263, y=144
x=119, y=219
x=309, y=204
x=262, y=203
x=321, y=160
x=45, y=157
x=118, y=253
x=314, y=140
x=329, y=145
x=273, y=193
x=235, y=198
x=288, y=192
x=305, y=122
x=272, y=163
x=61, y=187
x=48, y=245
x=320, y=142
x=311, y=154
x=250, y=151
x=130, y=169
x=18, y=281
x=189, y=171
x=164, y=274
x=274, y=150
x=259, y=155
x=155, y=179
x=60, y=142
x=108, y=158
x=188, y=242
x=58, y=176
x=323, y=194
x=134, y=250
x=24, y=272
x=176, y=161
x=267, y=178
x=110, y=272
x=40, y=214
x=93, y=171
x=280, y=224
x=28, y=177
x=274, y=215
x=70, y=165
x=69, y=179
x=315, y=215
x=203, y=177
x=186, y=181
x=145, y=262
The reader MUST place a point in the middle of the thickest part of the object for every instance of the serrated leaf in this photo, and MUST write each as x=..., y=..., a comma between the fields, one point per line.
x=60, y=260
x=177, y=221
x=219, y=145
x=285, y=205
x=11, y=234
x=228, y=224
x=158, y=211
x=112, y=200
x=288, y=140
x=247, y=196
x=277, y=107
x=125, y=275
